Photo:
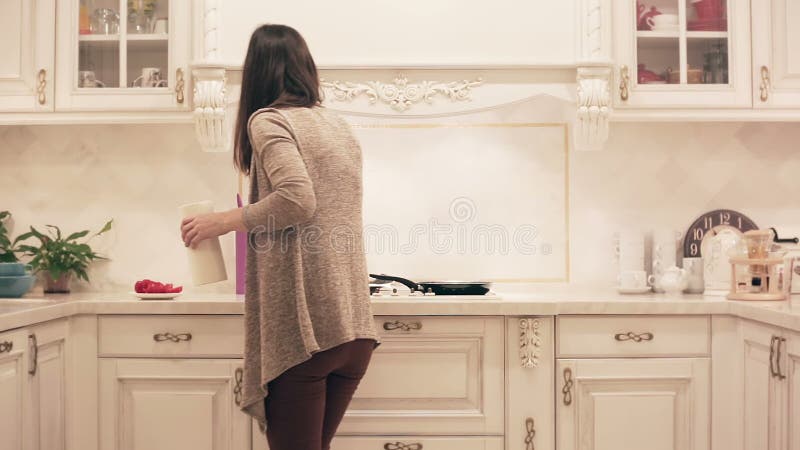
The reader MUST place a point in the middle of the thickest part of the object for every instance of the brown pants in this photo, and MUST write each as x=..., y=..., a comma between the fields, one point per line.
x=306, y=403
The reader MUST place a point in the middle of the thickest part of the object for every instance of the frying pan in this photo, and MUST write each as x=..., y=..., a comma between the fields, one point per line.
x=440, y=287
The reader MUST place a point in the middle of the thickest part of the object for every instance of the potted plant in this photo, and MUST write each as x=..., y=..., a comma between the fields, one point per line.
x=58, y=258
x=7, y=250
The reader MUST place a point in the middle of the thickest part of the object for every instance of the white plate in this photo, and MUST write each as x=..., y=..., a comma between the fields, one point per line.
x=641, y=290
x=165, y=296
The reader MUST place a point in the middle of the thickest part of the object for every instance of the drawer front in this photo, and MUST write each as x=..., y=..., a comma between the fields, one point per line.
x=171, y=336
x=432, y=375
x=624, y=336
x=415, y=443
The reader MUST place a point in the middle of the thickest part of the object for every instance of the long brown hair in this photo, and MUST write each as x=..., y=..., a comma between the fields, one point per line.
x=278, y=72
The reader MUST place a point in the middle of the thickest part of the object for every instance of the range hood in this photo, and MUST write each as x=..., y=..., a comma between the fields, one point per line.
x=397, y=64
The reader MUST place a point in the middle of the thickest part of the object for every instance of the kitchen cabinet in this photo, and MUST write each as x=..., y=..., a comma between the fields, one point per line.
x=123, y=55
x=621, y=404
x=48, y=385
x=771, y=387
x=696, y=55
x=776, y=53
x=148, y=404
x=15, y=405
x=27, y=36
x=530, y=403
x=432, y=375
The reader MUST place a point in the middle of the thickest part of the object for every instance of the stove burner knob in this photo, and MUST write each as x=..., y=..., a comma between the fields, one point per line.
x=430, y=292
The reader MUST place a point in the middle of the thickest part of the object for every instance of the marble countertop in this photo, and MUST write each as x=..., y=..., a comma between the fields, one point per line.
x=530, y=300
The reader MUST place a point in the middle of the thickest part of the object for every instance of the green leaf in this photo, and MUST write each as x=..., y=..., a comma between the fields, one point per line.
x=105, y=228
x=58, y=231
x=4, y=215
x=77, y=235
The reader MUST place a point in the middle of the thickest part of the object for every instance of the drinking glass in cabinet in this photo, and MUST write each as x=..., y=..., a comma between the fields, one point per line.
x=140, y=16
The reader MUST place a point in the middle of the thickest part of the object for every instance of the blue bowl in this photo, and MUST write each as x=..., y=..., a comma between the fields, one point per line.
x=16, y=286
x=13, y=269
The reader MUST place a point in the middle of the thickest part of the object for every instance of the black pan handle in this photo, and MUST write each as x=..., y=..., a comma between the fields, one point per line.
x=779, y=240
x=410, y=284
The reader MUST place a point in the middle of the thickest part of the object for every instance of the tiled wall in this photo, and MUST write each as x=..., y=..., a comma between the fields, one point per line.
x=649, y=175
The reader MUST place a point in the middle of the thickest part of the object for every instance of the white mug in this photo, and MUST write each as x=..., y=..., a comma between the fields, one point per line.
x=634, y=279
x=663, y=21
x=87, y=79
x=151, y=77
x=629, y=250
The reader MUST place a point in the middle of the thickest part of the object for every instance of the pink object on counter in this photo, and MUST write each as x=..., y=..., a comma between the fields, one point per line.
x=241, y=255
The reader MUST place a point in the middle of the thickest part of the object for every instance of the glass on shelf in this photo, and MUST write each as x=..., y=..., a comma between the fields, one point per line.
x=710, y=58
x=656, y=59
x=147, y=16
x=706, y=15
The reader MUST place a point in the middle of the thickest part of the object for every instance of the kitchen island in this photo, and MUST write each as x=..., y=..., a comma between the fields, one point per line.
x=526, y=367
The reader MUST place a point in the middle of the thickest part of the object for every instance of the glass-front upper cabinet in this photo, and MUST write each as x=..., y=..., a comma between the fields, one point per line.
x=682, y=53
x=127, y=55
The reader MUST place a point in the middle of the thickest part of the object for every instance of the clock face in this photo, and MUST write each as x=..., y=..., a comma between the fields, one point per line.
x=709, y=224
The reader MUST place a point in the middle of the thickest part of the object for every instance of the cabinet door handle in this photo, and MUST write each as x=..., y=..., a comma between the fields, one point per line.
x=41, y=86
x=624, y=82
x=179, y=86
x=778, y=371
x=238, y=376
x=772, y=342
x=530, y=433
x=6, y=346
x=402, y=446
x=402, y=326
x=567, y=389
x=764, y=87
x=161, y=337
x=34, y=353
x=635, y=337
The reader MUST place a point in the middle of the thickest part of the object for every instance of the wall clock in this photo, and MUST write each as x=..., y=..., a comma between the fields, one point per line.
x=709, y=225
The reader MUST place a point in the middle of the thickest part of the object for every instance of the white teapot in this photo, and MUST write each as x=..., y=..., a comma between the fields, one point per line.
x=674, y=280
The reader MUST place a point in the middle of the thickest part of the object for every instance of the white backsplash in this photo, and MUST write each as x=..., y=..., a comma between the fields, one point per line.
x=649, y=175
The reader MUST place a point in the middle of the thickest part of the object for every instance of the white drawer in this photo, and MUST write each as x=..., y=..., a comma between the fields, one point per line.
x=171, y=336
x=432, y=375
x=626, y=336
x=416, y=443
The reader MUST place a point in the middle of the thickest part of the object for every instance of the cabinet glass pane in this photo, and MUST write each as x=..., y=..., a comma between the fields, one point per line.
x=99, y=43
x=658, y=60
x=148, y=43
x=706, y=15
x=657, y=15
x=707, y=60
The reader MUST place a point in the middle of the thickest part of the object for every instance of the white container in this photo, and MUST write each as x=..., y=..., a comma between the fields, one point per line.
x=205, y=261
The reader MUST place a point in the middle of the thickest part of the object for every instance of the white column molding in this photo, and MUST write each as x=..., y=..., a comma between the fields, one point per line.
x=211, y=30
x=594, y=107
x=211, y=126
x=593, y=74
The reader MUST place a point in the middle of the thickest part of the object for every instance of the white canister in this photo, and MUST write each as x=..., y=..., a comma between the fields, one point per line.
x=205, y=260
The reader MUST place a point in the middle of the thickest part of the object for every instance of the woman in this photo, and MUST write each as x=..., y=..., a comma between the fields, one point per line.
x=309, y=326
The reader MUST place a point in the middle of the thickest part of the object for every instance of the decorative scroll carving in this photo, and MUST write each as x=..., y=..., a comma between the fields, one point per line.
x=529, y=343
x=209, y=109
x=594, y=107
x=595, y=30
x=400, y=95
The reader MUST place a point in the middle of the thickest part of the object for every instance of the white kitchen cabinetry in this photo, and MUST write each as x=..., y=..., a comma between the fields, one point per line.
x=432, y=375
x=171, y=382
x=776, y=53
x=47, y=372
x=15, y=405
x=27, y=37
x=176, y=404
x=771, y=388
x=626, y=394
x=530, y=418
x=653, y=403
x=700, y=62
x=99, y=71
